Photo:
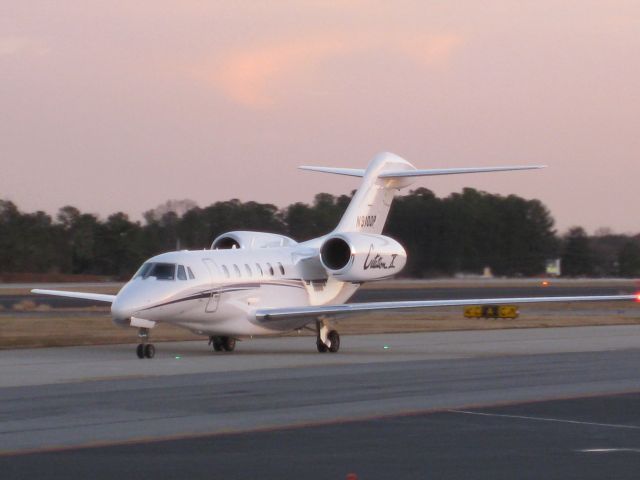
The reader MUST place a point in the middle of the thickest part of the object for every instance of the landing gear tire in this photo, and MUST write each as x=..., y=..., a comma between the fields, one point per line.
x=222, y=344
x=322, y=348
x=149, y=350
x=228, y=344
x=144, y=349
x=334, y=338
x=216, y=342
x=327, y=340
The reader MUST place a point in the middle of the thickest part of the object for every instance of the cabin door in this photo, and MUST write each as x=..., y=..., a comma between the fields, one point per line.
x=214, y=274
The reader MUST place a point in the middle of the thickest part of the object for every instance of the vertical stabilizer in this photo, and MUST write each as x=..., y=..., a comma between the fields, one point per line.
x=370, y=206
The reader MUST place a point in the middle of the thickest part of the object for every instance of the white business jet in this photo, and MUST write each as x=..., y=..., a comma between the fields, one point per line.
x=252, y=283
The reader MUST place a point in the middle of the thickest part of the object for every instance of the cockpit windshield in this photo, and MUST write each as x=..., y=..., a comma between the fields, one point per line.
x=161, y=271
x=164, y=271
x=143, y=270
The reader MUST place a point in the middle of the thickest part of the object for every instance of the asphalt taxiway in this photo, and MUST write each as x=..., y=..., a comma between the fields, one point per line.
x=583, y=438
x=446, y=404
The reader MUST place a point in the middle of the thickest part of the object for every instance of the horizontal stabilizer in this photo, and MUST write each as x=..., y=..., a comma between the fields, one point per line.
x=83, y=295
x=352, y=172
x=359, y=172
x=454, y=171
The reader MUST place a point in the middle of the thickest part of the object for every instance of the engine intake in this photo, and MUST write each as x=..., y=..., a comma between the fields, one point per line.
x=225, y=243
x=359, y=257
x=335, y=253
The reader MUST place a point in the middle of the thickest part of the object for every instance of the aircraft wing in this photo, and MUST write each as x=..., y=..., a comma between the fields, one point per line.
x=298, y=317
x=83, y=295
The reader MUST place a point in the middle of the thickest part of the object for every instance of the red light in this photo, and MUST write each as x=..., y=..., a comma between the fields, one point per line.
x=546, y=284
x=638, y=297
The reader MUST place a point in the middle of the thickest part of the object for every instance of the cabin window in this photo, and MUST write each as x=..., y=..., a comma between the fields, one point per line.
x=281, y=268
x=270, y=268
x=237, y=270
x=191, y=275
x=260, y=269
x=182, y=274
x=248, y=269
x=226, y=271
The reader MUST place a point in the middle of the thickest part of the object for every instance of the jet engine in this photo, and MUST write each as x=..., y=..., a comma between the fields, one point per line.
x=360, y=257
x=250, y=240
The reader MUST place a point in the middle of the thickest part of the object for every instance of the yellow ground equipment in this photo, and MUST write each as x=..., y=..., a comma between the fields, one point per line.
x=491, y=311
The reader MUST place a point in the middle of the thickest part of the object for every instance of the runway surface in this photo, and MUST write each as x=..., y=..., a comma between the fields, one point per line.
x=445, y=404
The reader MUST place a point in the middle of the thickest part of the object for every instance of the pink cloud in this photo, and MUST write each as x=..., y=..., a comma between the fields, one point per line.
x=248, y=76
x=245, y=76
x=430, y=50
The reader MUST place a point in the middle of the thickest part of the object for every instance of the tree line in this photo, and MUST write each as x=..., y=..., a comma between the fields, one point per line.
x=462, y=233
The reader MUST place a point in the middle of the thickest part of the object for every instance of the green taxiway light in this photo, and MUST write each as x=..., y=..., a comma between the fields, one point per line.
x=386, y=347
x=178, y=357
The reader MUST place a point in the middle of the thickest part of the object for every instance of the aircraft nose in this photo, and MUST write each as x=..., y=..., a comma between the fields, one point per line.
x=128, y=301
x=122, y=308
x=134, y=297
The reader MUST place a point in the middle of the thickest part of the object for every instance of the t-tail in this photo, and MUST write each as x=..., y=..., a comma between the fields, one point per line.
x=386, y=175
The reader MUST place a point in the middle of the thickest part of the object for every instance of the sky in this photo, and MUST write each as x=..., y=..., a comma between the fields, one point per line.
x=119, y=106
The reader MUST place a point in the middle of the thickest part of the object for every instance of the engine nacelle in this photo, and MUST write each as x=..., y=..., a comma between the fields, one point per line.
x=250, y=240
x=359, y=257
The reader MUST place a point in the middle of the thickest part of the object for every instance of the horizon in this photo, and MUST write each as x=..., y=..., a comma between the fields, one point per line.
x=600, y=231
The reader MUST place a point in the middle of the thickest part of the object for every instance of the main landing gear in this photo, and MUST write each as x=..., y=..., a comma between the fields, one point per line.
x=144, y=349
x=222, y=344
x=327, y=340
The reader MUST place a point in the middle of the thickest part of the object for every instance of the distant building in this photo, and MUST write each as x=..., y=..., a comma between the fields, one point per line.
x=553, y=267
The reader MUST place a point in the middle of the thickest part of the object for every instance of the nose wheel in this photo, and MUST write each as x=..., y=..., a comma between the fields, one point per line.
x=144, y=349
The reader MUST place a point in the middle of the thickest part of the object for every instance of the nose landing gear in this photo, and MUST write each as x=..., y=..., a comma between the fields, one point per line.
x=144, y=349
